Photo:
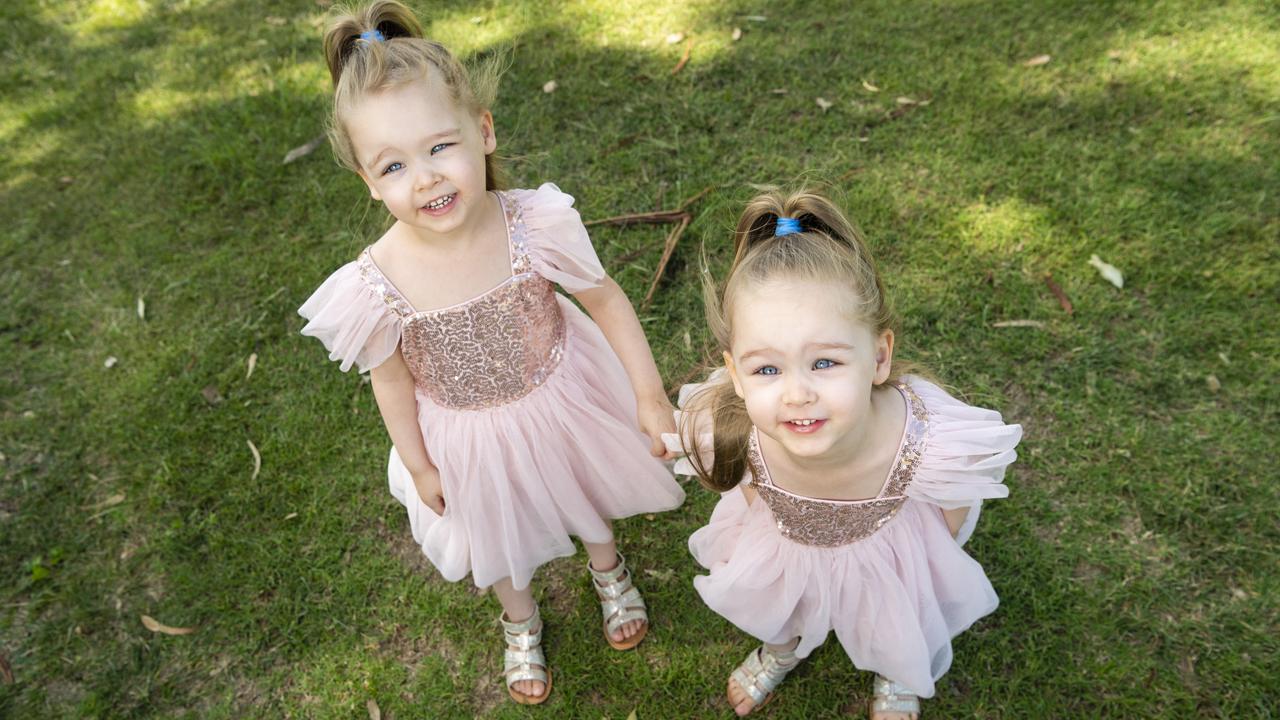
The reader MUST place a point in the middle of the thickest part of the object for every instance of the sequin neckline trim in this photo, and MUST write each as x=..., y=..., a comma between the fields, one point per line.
x=900, y=472
x=397, y=300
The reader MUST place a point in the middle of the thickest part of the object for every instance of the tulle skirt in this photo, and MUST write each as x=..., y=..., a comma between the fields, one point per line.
x=520, y=479
x=894, y=599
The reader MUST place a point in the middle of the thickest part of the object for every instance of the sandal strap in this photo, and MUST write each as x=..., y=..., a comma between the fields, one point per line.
x=523, y=659
x=893, y=697
x=762, y=671
x=620, y=600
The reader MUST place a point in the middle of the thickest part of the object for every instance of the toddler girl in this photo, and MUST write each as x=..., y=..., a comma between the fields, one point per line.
x=515, y=421
x=848, y=487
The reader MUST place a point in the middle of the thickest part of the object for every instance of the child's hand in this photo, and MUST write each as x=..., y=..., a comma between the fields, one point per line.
x=657, y=416
x=430, y=489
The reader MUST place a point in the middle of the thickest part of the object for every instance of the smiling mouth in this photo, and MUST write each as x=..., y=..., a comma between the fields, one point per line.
x=804, y=426
x=440, y=203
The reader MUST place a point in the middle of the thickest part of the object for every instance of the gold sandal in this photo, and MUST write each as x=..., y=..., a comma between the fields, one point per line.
x=761, y=673
x=889, y=696
x=620, y=603
x=523, y=659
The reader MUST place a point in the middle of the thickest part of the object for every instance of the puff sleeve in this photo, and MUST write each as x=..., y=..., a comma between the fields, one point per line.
x=966, y=455
x=693, y=421
x=559, y=246
x=355, y=324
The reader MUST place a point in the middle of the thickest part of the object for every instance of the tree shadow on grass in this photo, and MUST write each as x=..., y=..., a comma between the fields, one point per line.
x=309, y=612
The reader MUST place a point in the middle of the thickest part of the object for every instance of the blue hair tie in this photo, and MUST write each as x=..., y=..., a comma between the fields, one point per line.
x=786, y=226
x=373, y=36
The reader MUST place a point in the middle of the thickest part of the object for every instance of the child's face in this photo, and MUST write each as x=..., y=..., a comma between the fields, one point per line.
x=805, y=367
x=423, y=156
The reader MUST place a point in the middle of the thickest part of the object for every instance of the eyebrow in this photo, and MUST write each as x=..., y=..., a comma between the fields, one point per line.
x=430, y=138
x=808, y=346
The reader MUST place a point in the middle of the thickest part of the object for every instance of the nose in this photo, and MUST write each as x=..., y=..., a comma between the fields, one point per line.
x=798, y=390
x=426, y=176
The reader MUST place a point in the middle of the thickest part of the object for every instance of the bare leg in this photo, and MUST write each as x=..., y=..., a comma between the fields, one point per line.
x=518, y=606
x=741, y=701
x=604, y=556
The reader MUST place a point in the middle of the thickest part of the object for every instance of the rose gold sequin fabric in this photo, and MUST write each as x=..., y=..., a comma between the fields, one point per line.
x=831, y=523
x=487, y=351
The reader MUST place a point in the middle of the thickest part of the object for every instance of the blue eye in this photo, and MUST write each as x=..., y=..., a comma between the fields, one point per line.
x=439, y=148
x=766, y=370
x=392, y=168
x=823, y=364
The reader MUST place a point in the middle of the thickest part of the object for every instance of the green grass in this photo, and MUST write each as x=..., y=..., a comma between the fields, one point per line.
x=140, y=157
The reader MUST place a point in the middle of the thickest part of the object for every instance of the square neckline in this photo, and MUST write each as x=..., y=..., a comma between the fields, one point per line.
x=888, y=478
x=511, y=262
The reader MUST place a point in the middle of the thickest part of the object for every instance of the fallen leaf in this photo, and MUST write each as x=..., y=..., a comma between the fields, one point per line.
x=549, y=86
x=1239, y=594
x=869, y=87
x=110, y=362
x=755, y=18
x=663, y=575
x=1037, y=61
x=688, y=49
x=1057, y=291
x=779, y=91
x=1223, y=357
x=253, y=363
x=674, y=38
x=142, y=308
x=276, y=21
x=375, y=712
x=910, y=101
x=303, y=150
x=736, y=34
x=257, y=459
x=155, y=626
x=1213, y=383
x=1115, y=54
x=1018, y=324
x=291, y=516
x=1109, y=272
x=632, y=716
x=824, y=103
x=211, y=394
x=477, y=19
x=65, y=180
x=6, y=671
x=688, y=341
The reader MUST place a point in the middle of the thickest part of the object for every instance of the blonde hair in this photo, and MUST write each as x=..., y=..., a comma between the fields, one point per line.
x=827, y=248
x=379, y=46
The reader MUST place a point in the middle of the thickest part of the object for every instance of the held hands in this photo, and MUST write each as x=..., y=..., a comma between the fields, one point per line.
x=430, y=489
x=656, y=416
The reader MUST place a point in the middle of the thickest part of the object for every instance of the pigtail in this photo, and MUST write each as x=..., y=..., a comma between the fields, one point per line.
x=719, y=405
x=362, y=28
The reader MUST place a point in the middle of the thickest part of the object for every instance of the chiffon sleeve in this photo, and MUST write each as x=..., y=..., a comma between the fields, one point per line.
x=355, y=324
x=559, y=246
x=694, y=424
x=965, y=458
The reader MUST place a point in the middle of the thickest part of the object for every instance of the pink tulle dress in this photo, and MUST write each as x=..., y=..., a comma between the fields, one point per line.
x=884, y=573
x=524, y=407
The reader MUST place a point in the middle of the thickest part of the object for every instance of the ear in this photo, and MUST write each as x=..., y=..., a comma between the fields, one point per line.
x=884, y=356
x=733, y=374
x=373, y=191
x=486, y=132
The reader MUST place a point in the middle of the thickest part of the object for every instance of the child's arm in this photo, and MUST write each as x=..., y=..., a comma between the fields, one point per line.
x=393, y=387
x=612, y=311
x=955, y=519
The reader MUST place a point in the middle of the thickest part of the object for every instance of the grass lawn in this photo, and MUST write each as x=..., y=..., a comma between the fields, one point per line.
x=153, y=242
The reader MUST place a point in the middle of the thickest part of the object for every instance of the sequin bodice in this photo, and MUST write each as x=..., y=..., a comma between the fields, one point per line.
x=830, y=523
x=487, y=351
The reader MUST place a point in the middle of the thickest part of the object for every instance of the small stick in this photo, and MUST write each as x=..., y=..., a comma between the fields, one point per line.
x=1057, y=291
x=644, y=218
x=688, y=48
x=668, y=249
